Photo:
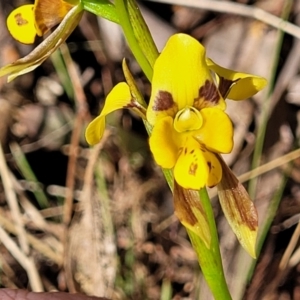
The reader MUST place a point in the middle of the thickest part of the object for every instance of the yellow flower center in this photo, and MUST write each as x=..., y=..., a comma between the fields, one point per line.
x=188, y=118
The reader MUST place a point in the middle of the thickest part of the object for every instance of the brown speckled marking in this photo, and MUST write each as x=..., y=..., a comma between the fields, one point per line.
x=209, y=166
x=193, y=169
x=209, y=92
x=202, y=148
x=20, y=20
x=163, y=101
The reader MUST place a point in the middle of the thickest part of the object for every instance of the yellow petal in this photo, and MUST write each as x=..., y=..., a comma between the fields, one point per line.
x=214, y=169
x=48, y=13
x=236, y=85
x=190, y=212
x=20, y=24
x=164, y=143
x=46, y=48
x=119, y=97
x=191, y=170
x=180, y=76
x=239, y=210
x=216, y=132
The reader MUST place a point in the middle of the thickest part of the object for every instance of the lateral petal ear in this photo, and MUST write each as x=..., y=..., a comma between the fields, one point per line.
x=119, y=97
x=238, y=209
x=190, y=212
x=236, y=85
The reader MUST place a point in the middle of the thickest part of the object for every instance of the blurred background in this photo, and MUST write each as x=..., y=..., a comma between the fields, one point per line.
x=100, y=220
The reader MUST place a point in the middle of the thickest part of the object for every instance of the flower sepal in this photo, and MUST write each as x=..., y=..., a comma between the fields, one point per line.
x=238, y=209
x=190, y=212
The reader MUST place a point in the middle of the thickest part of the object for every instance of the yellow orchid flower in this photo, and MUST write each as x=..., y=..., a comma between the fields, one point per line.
x=186, y=111
x=27, y=21
x=190, y=130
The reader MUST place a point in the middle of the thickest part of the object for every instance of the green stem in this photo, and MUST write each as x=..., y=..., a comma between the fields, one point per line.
x=102, y=8
x=146, y=53
x=142, y=33
x=125, y=23
x=210, y=260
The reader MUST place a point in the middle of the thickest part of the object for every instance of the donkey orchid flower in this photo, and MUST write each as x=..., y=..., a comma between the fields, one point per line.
x=190, y=131
x=27, y=21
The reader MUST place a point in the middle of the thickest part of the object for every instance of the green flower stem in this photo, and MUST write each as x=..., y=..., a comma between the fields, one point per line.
x=102, y=8
x=142, y=33
x=124, y=21
x=210, y=259
x=145, y=52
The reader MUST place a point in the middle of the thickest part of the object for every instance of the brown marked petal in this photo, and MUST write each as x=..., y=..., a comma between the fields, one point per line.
x=238, y=209
x=190, y=212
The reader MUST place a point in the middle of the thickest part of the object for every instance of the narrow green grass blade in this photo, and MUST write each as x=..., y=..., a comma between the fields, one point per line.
x=266, y=103
x=245, y=273
x=62, y=72
x=166, y=290
x=28, y=174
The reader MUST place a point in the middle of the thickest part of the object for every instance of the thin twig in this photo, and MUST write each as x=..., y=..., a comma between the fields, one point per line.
x=36, y=216
x=282, y=268
x=290, y=248
x=240, y=10
x=81, y=115
x=273, y=164
x=26, y=262
x=37, y=244
x=13, y=202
